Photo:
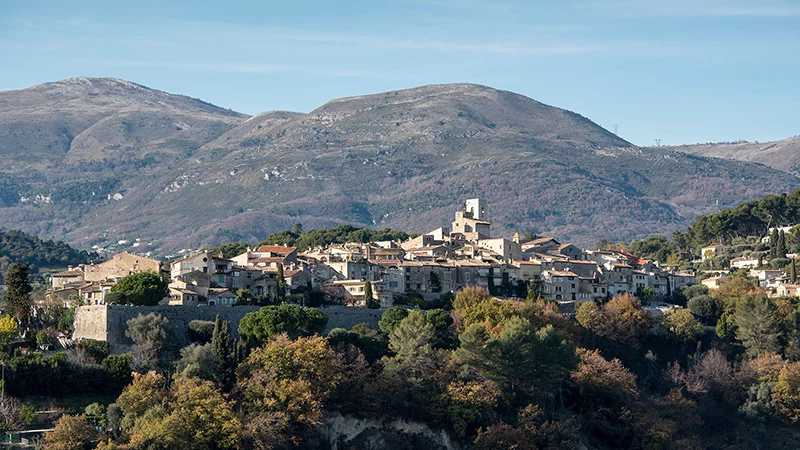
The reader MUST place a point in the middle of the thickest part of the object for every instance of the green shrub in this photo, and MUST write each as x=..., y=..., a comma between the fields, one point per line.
x=200, y=331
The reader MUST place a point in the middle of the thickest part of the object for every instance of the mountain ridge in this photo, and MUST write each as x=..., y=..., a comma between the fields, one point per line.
x=402, y=159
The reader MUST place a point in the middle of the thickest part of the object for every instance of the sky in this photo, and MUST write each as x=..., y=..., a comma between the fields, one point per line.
x=676, y=71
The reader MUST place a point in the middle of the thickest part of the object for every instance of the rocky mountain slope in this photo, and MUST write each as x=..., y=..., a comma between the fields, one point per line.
x=781, y=155
x=403, y=159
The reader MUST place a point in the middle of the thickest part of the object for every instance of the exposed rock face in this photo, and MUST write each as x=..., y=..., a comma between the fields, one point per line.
x=189, y=174
x=344, y=432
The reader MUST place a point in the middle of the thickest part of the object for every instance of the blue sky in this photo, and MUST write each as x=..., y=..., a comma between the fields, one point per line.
x=679, y=71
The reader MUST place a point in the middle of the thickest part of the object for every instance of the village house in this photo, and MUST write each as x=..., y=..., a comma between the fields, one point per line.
x=507, y=249
x=711, y=251
x=559, y=285
x=267, y=256
x=743, y=262
x=714, y=282
x=351, y=292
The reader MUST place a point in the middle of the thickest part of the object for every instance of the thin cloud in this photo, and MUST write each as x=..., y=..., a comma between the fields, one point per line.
x=246, y=68
x=702, y=8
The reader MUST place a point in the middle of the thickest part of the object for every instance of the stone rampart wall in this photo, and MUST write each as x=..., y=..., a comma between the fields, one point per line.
x=108, y=322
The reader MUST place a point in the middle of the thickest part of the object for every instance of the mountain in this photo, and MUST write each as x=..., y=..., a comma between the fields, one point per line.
x=781, y=155
x=403, y=159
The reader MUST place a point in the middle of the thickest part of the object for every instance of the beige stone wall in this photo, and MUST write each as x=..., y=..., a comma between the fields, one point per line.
x=108, y=322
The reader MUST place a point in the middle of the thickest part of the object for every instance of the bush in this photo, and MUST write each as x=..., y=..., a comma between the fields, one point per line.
x=97, y=350
x=200, y=331
x=116, y=298
x=705, y=308
x=270, y=321
x=779, y=263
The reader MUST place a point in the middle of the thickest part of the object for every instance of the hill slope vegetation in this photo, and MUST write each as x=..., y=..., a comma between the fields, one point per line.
x=403, y=159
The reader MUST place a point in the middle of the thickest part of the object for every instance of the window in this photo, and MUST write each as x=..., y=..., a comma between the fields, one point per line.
x=221, y=279
x=186, y=265
x=573, y=285
x=558, y=288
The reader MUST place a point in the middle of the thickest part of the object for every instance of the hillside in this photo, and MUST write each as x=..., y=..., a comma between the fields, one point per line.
x=781, y=155
x=403, y=159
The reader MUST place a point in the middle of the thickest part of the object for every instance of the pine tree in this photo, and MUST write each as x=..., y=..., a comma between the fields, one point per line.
x=18, y=292
x=221, y=344
x=281, y=285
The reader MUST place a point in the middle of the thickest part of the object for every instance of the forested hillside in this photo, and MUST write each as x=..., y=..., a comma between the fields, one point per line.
x=19, y=247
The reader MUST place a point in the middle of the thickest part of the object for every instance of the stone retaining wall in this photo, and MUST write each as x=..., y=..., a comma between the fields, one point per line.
x=108, y=322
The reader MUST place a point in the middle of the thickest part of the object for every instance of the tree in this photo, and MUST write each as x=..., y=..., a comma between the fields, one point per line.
x=191, y=413
x=603, y=382
x=780, y=251
x=502, y=437
x=621, y=319
x=8, y=329
x=290, y=378
x=70, y=433
x=706, y=308
x=201, y=331
x=222, y=345
x=143, y=288
x=518, y=357
x=269, y=321
x=281, y=285
x=681, y=324
x=118, y=371
x=113, y=418
x=96, y=414
x=198, y=361
x=369, y=297
x=150, y=336
x=773, y=244
x=475, y=306
x=391, y=318
x=18, y=292
x=757, y=326
x=412, y=339
x=786, y=392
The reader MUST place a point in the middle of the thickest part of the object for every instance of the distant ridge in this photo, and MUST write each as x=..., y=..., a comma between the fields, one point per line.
x=111, y=160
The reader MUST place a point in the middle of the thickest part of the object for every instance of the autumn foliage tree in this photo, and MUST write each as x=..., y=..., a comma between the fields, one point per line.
x=621, y=319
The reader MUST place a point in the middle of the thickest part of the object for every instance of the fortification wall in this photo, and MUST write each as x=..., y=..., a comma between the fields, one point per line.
x=108, y=322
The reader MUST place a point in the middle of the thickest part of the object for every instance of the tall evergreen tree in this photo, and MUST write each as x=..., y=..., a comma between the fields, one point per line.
x=780, y=251
x=221, y=344
x=773, y=244
x=369, y=298
x=281, y=285
x=18, y=292
x=793, y=271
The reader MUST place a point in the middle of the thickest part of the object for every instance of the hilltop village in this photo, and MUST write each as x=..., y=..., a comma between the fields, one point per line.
x=425, y=267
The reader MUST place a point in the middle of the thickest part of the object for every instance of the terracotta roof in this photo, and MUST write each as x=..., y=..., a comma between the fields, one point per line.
x=562, y=273
x=276, y=249
x=68, y=273
x=265, y=260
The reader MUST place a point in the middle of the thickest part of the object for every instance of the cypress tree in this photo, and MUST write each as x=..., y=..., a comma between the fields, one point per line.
x=369, y=299
x=773, y=244
x=281, y=285
x=18, y=292
x=793, y=272
x=780, y=252
x=221, y=344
